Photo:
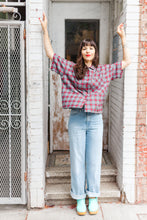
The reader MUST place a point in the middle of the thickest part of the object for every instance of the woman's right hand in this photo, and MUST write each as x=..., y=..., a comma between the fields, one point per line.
x=44, y=22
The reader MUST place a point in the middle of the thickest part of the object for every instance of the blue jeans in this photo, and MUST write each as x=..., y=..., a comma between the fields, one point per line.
x=85, y=131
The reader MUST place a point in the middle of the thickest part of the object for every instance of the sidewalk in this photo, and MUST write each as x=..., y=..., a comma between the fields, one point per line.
x=107, y=211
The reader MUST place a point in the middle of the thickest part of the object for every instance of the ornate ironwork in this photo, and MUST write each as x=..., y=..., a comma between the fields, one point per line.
x=12, y=112
x=17, y=14
x=14, y=11
x=4, y=124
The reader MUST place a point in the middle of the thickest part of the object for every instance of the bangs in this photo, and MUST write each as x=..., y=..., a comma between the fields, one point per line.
x=88, y=42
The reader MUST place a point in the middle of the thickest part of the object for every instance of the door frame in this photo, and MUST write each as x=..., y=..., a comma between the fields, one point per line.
x=104, y=35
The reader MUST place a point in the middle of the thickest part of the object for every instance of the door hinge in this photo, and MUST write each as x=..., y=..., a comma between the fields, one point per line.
x=24, y=34
x=25, y=176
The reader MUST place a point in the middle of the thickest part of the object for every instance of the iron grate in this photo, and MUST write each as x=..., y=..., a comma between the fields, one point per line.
x=10, y=112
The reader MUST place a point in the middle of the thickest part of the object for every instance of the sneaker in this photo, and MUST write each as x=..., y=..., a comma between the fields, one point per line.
x=93, y=206
x=81, y=207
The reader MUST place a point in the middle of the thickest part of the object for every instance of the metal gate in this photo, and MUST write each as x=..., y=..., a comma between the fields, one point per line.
x=12, y=113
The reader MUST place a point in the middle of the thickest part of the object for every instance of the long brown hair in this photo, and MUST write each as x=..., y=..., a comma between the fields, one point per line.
x=80, y=68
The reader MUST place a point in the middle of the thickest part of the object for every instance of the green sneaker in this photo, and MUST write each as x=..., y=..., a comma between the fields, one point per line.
x=93, y=206
x=81, y=207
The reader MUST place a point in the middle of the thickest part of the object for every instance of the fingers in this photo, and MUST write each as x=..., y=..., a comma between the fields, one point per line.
x=123, y=25
x=44, y=17
x=40, y=20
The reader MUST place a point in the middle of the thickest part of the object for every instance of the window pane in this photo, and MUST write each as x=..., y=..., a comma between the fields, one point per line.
x=75, y=32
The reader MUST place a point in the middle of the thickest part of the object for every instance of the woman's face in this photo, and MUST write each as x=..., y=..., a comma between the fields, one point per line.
x=88, y=53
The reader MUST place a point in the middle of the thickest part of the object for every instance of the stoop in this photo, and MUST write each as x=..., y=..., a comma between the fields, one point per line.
x=58, y=183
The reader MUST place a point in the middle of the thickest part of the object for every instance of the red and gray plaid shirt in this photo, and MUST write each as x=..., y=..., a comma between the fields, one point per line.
x=91, y=90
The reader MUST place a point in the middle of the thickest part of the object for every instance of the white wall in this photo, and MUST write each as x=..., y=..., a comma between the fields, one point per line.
x=45, y=95
x=36, y=74
x=123, y=104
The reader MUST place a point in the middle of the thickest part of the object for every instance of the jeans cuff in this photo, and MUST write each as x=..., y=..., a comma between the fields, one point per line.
x=83, y=196
x=92, y=194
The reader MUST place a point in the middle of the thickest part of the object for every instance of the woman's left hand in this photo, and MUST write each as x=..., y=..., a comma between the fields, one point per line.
x=120, y=30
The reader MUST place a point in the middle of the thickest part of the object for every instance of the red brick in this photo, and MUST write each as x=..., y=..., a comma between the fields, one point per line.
x=143, y=52
x=146, y=93
x=141, y=87
x=143, y=59
x=140, y=144
x=143, y=37
x=141, y=115
x=143, y=66
x=143, y=1
x=142, y=73
x=141, y=127
x=141, y=180
x=141, y=192
x=141, y=94
x=144, y=9
x=141, y=80
x=140, y=121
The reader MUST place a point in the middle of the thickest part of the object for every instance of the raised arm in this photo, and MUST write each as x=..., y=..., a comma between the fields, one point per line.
x=47, y=44
x=126, y=56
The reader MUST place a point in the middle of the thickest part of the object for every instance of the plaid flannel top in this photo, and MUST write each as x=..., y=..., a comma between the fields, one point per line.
x=90, y=91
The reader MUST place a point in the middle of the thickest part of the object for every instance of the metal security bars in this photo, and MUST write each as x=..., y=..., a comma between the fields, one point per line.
x=12, y=113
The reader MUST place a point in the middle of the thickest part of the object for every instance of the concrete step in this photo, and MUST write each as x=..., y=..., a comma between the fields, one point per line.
x=59, y=194
x=63, y=180
x=65, y=171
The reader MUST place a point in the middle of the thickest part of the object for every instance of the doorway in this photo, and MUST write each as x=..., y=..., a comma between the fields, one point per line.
x=75, y=32
x=66, y=30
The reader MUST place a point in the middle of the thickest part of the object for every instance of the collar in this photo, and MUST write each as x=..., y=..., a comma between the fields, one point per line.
x=92, y=67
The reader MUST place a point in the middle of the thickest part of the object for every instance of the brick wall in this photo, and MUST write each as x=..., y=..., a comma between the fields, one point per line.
x=141, y=117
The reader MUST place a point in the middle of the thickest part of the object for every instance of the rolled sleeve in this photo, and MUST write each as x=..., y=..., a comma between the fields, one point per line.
x=117, y=70
x=60, y=65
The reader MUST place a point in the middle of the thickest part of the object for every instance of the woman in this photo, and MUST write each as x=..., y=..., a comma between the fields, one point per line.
x=84, y=87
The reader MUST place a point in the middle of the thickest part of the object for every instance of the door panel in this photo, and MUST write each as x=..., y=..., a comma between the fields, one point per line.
x=58, y=13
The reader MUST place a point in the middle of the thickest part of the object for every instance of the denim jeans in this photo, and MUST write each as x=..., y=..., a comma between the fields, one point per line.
x=85, y=131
